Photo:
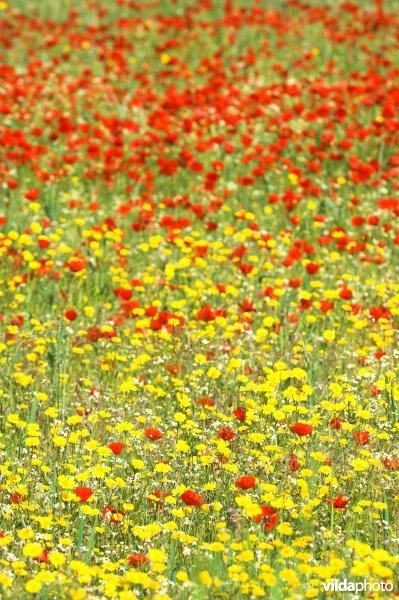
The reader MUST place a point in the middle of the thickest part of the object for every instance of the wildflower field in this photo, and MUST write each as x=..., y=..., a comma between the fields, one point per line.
x=199, y=299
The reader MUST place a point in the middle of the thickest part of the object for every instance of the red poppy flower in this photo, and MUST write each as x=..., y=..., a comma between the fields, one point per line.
x=239, y=414
x=206, y=401
x=94, y=334
x=123, y=293
x=374, y=391
x=211, y=226
x=336, y=423
x=246, y=268
x=83, y=493
x=153, y=434
x=76, y=264
x=158, y=494
x=70, y=314
x=312, y=268
x=326, y=305
x=116, y=447
x=295, y=283
x=32, y=194
x=221, y=288
x=357, y=220
x=17, y=498
x=391, y=463
x=380, y=312
x=361, y=437
x=293, y=463
x=43, y=242
x=269, y=517
x=191, y=498
x=225, y=433
x=137, y=560
x=173, y=369
x=201, y=251
x=339, y=501
x=114, y=516
x=206, y=314
x=345, y=294
x=301, y=429
x=43, y=558
x=239, y=252
x=247, y=306
x=246, y=482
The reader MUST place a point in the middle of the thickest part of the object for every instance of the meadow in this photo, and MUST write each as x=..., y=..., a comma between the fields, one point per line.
x=199, y=298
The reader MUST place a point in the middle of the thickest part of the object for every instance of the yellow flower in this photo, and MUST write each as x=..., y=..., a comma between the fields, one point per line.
x=32, y=441
x=59, y=441
x=5, y=580
x=33, y=586
x=213, y=373
x=88, y=510
x=128, y=386
x=179, y=417
x=22, y=380
x=251, y=509
x=290, y=576
x=156, y=555
x=182, y=446
x=26, y=534
x=57, y=559
x=137, y=464
x=32, y=550
x=285, y=528
x=360, y=568
x=65, y=482
x=268, y=578
x=92, y=445
x=51, y=412
x=79, y=594
x=246, y=556
x=205, y=578
x=5, y=540
x=162, y=468
x=100, y=471
x=359, y=464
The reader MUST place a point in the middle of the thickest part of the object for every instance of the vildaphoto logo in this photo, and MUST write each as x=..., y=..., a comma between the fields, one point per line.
x=335, y=585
